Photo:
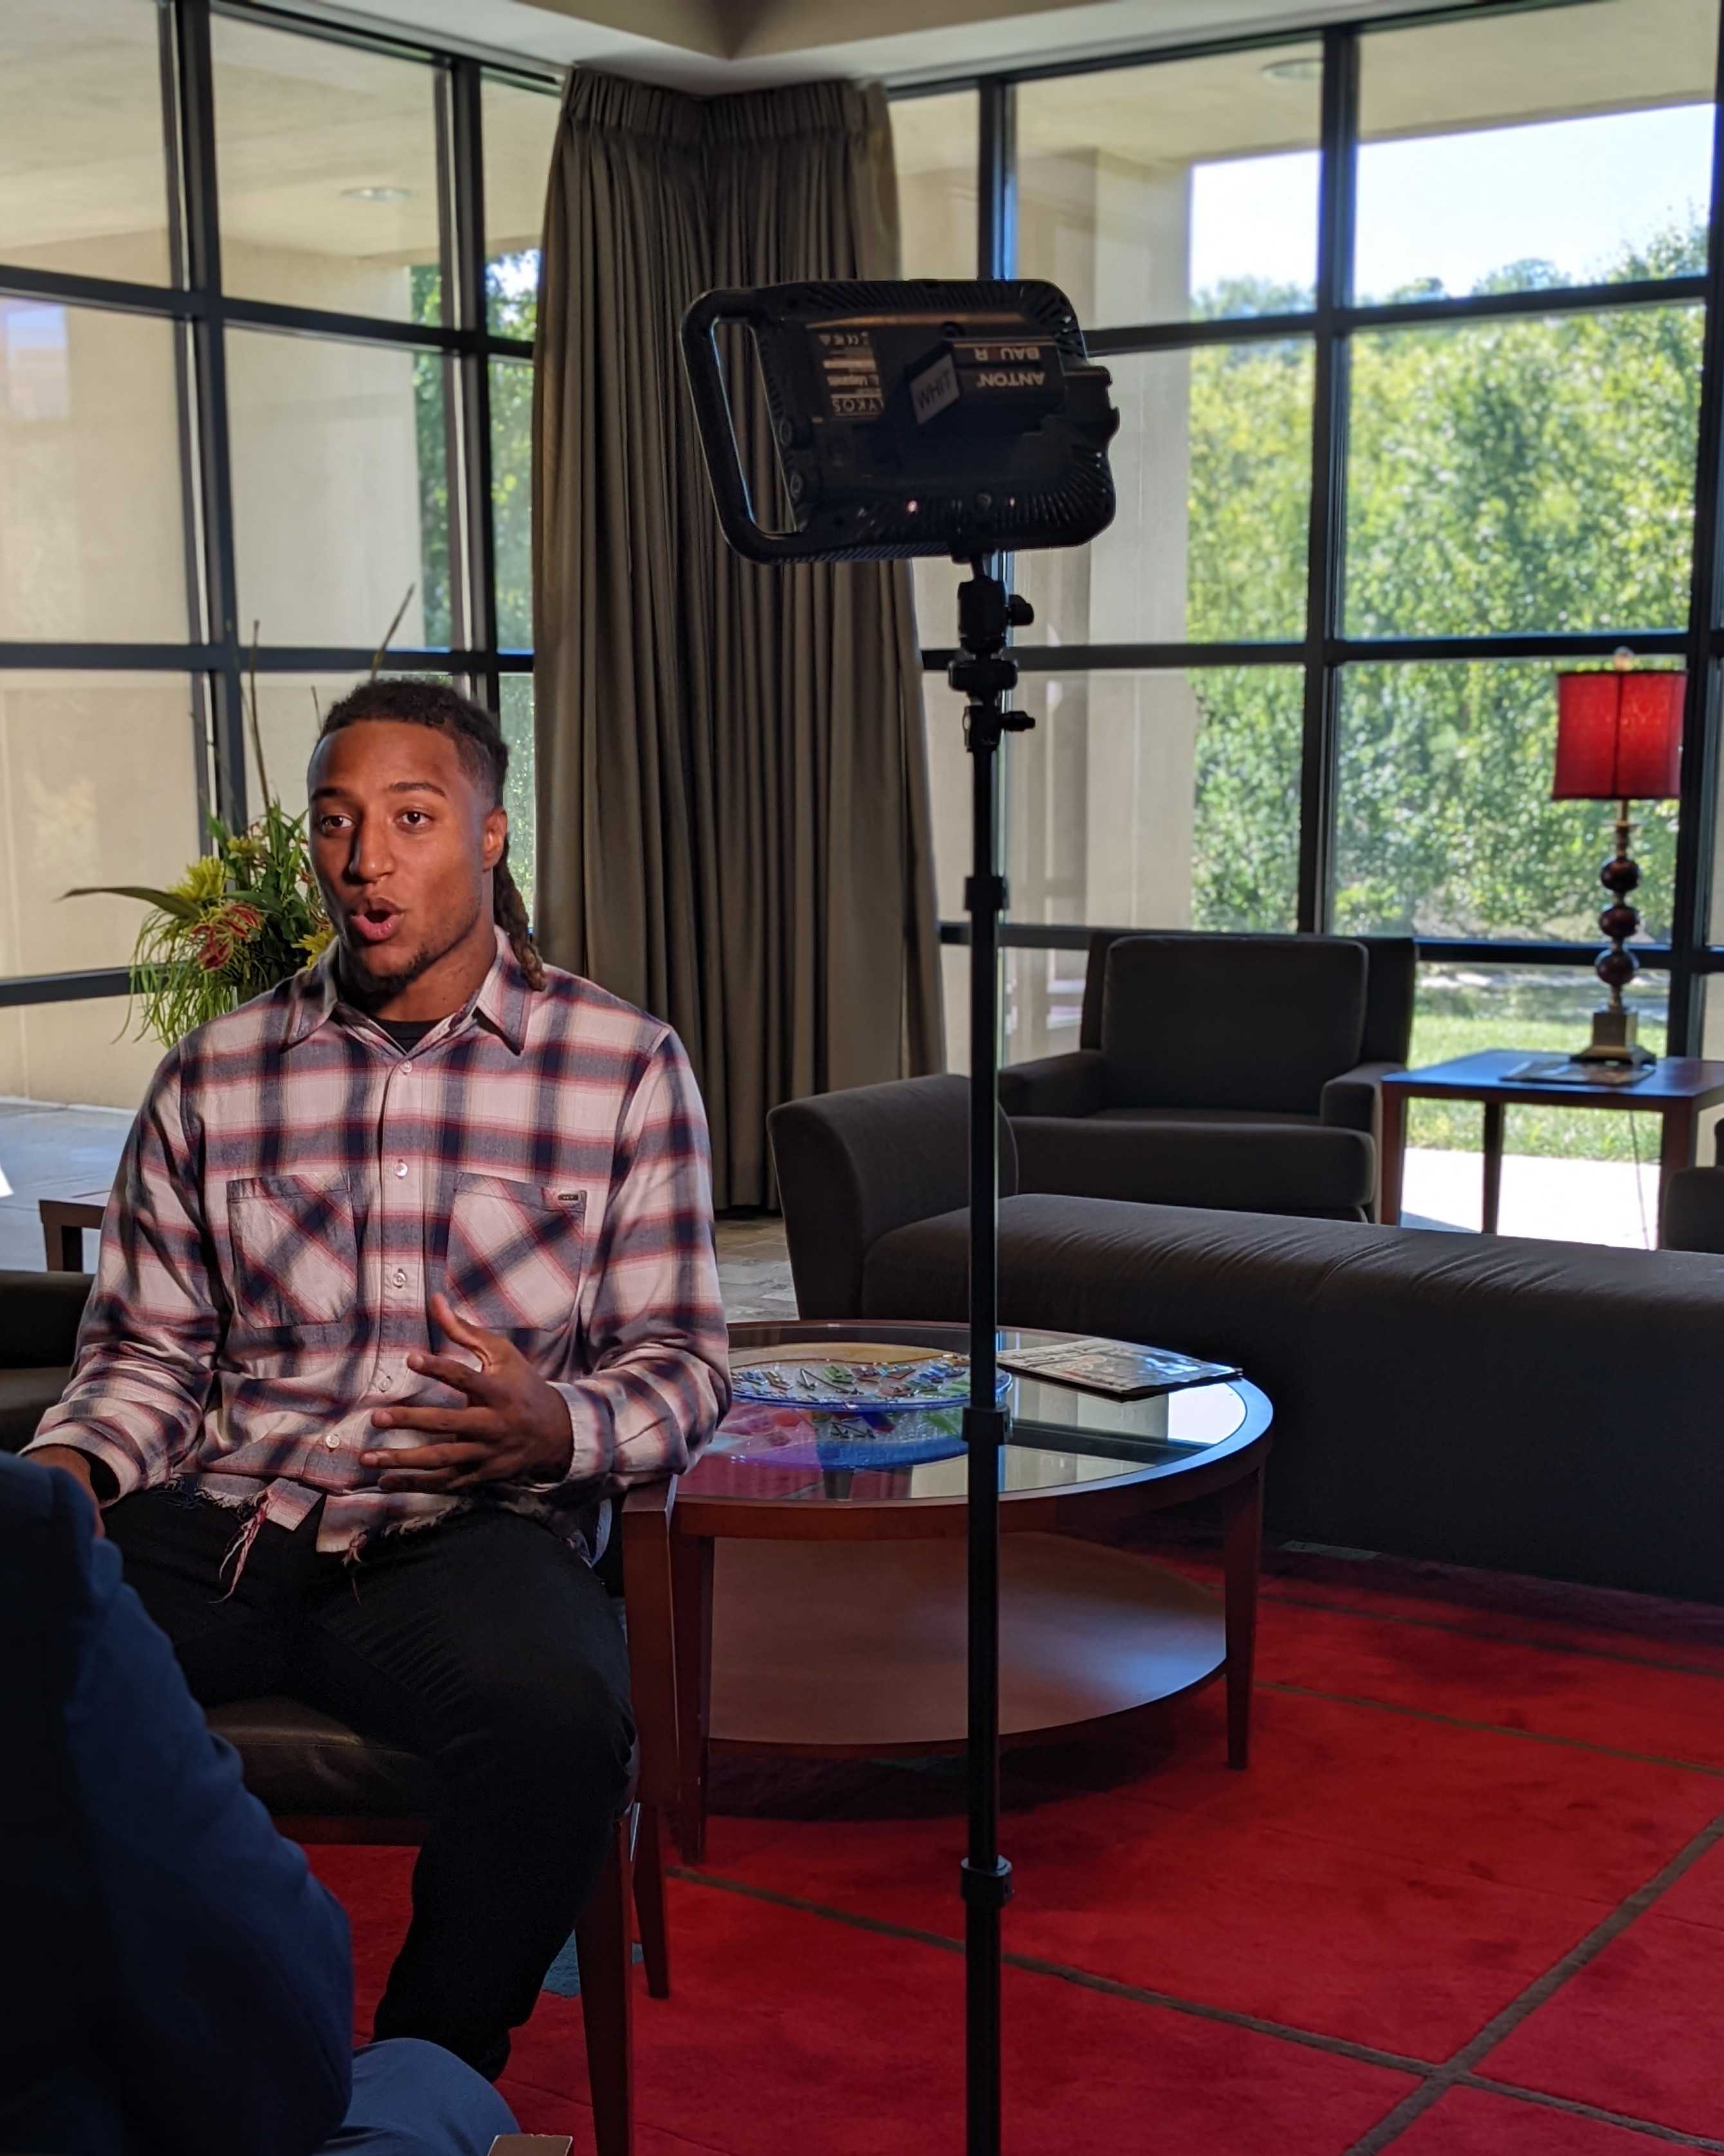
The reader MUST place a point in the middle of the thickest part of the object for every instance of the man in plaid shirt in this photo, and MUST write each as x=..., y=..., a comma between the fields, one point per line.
x=408, y=1268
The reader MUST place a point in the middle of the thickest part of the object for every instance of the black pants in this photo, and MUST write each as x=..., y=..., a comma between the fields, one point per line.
x=485, y=1645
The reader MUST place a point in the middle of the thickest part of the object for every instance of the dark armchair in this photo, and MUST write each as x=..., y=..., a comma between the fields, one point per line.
x=39, y=1313
x=1693, y=1206
x=1238, y=1073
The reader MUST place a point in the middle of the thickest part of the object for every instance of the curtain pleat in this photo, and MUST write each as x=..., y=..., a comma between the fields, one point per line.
x=734, y=822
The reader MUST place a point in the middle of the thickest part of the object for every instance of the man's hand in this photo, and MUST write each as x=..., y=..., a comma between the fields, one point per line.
x=78, y=1466
x=515, y=1428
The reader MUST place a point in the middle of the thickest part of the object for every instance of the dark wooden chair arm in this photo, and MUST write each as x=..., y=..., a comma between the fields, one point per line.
x=531, y=2144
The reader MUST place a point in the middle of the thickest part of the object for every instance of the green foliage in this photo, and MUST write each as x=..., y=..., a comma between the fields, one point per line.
x=1245, y=870
x=1521, y=474
x=512, y=308
x=1546, y=1010
x=512, y=303
x=431, y=417
x=1527, y=474
x=244, y=917
x=516, y=718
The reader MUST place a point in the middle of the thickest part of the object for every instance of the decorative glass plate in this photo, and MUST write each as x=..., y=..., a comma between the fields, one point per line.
x=761, y=1436
x=848, y=1383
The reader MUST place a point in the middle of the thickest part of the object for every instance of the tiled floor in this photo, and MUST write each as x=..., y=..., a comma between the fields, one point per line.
x=49, y=1152
x=753, y=1271
x=69, y=1153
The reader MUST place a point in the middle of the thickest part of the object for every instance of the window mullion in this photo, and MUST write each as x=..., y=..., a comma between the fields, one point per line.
x=1320, y=752
x=197, y=92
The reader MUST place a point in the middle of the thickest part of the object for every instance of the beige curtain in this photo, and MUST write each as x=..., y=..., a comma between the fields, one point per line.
x=734, y=829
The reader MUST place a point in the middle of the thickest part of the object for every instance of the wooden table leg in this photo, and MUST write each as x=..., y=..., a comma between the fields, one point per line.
x=691, y=1558
x=1391, y=1162
x=1242, y=1551
x=62, y=1244
x=1676, y=1149
x=644, y=1522
x=1493, y=1165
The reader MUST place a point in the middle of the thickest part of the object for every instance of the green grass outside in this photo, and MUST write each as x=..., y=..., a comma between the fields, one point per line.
x=1543, y=1009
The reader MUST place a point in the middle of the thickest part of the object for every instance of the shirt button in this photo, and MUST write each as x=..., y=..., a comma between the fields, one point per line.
x=333, y=1442
x=400, y=1277
x=401, y=1168
x=385, y=1382
x=405, y=1068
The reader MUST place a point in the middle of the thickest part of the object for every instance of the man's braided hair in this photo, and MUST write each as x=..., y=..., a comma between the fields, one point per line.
x=479, y=740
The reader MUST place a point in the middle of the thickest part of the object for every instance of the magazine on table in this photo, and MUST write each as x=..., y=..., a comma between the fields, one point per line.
x=1570, y=1071
x=1114, y=1368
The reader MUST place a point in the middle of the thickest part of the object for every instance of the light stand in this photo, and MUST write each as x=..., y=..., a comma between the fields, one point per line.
x=985, y=675
x=914, y=418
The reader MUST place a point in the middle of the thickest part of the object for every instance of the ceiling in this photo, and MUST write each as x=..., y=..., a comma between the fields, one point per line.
x=711, y=46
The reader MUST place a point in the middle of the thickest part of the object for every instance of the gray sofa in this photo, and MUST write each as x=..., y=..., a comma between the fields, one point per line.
x=1239, y=1072
x=1535, y=1407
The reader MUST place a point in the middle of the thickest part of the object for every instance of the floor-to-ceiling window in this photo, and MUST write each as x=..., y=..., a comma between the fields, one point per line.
x=267, y=297
x=1408, y=330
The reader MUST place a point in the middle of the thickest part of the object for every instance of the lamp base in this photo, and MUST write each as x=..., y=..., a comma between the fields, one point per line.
x=1613, y=1041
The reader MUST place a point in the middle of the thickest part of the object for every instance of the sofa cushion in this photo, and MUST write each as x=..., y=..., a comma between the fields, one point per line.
x=1523, y=1406
x=1203, y=1118
x=1226, y=1160
x=25, y=1397
x=1236, y=1286
x=1527, y=1406
x=1229, y=1022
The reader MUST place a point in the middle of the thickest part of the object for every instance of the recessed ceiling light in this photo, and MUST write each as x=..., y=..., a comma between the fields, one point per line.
x=376, y=194
x=1307, y=68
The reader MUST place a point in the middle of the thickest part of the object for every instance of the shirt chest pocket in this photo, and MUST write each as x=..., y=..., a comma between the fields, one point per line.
x=296, y=1257
x=515, y=1254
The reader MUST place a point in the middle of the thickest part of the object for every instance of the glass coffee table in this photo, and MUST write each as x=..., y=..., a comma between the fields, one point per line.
x=819, y=1598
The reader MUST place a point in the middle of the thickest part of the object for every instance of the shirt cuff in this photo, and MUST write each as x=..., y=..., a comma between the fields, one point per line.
x=120, y=1471
x=587, y=1458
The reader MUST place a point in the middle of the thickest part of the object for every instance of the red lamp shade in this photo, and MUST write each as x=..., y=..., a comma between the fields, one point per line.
x=1618, y=734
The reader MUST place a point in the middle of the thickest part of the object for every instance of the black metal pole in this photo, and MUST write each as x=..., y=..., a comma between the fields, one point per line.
x=983, y=674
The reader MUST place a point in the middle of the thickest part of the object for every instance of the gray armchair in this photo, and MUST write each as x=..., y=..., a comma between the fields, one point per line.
x=1238, y=1073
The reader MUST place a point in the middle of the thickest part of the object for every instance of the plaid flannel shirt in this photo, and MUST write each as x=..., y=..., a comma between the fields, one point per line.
x=296, y=1189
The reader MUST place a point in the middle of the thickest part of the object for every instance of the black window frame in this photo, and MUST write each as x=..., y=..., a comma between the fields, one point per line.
x=1324, y=651
x=216, y=656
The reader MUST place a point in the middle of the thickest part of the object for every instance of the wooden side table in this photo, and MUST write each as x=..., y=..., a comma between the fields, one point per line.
x=64, y=1221
x=1675, y=1090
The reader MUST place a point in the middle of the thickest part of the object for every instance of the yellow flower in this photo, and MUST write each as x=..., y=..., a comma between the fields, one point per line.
x=205, y=880
x=316, y=943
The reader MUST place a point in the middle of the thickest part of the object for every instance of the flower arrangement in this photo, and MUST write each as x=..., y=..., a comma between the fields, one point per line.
x=244, y=917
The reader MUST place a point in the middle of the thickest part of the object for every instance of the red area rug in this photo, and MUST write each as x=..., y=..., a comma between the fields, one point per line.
x=1465, y=1902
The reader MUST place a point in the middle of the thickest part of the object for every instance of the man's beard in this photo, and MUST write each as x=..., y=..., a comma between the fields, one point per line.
x=369, y=990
